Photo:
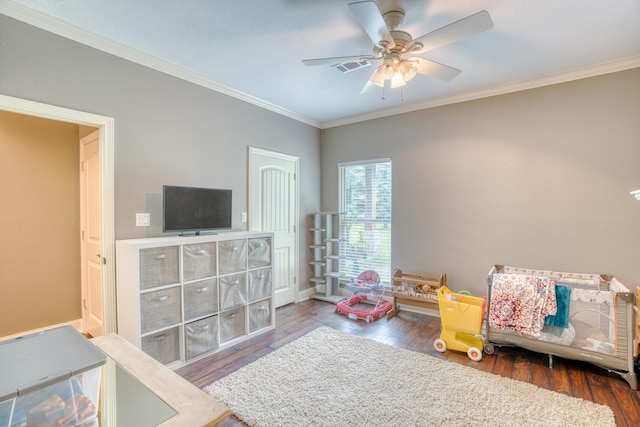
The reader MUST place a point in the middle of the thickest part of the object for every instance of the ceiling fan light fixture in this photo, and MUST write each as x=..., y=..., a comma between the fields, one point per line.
x=410, y=74
x=392, y=46
x=387, y=69
x=408, y=70
x=397, y=80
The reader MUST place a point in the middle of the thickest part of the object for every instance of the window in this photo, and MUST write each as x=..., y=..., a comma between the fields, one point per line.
x=365, y=227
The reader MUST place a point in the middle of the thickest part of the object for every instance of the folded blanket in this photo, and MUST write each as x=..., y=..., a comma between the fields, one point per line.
x=561, y=318
x=520, y=302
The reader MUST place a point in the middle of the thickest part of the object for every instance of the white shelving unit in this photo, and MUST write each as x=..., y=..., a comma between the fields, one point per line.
x=182, y=298
x=326, y=256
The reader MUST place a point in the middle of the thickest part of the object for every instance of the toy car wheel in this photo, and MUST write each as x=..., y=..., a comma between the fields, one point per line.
x=474, y=354
x=489, y=349
x=440, y=345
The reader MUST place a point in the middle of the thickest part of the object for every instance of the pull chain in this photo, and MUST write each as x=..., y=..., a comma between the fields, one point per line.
x=401, y=94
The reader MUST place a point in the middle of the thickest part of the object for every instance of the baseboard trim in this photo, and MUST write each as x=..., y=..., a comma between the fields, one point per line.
x=420, y=310
x=306, y=294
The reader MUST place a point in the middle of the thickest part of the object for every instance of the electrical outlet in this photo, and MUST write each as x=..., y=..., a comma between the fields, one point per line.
x=143, y=220
x=244, y=217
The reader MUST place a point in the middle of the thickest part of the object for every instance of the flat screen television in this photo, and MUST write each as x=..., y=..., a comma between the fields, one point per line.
x=192, y=209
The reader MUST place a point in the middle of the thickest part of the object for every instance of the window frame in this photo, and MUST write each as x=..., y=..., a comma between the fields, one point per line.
x=350, y=262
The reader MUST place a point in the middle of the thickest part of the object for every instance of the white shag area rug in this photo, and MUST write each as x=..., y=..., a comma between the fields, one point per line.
x=330, y=378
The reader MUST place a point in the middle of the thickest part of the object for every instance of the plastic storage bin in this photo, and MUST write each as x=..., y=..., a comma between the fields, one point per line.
x=50, y=378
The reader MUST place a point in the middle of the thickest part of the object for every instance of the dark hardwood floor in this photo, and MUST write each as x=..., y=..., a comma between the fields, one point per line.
x=417, y=332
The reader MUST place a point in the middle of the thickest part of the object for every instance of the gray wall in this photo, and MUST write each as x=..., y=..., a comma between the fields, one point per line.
x=167, y=131
x=539, y=178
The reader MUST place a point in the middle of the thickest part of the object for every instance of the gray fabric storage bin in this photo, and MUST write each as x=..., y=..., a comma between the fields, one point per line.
x=160, y=308
x=159, y=266
x=259, y=315
x=198, y=261
x=200, y=299
x=233, y=290
x=201, y=337
x=163, y=346
x=260, y=284
x=232, y=255
x=232, y=324
x=259, y=252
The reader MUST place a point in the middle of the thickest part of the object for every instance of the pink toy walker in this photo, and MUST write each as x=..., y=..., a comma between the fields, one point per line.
x=366, y=289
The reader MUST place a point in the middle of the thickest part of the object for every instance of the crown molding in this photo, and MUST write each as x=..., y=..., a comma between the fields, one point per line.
x=63, y=29
x=576, y=74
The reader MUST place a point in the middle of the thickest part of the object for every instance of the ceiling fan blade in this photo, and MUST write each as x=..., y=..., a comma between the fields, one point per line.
x=335, y=60
x=368, y=87
x=436, y=69
x=466, y=27
x=370, y=19
x=375, y=80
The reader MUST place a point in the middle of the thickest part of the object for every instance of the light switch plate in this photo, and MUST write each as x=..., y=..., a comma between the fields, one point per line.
x=143, y=220
x=244, y=217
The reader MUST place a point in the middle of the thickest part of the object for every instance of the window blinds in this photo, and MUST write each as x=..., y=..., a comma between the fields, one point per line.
x=365, y=226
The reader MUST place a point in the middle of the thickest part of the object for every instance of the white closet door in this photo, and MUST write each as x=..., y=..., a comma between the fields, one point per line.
x=91, y=258
x=273, y=202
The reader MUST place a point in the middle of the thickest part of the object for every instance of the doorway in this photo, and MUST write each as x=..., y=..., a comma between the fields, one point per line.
x=273, y=206
x=105, y=127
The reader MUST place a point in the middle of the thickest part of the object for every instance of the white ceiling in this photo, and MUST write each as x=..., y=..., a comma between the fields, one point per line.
x=253, y=49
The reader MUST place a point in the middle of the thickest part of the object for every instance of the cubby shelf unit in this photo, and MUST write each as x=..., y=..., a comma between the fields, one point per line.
x=325, y=249
x=181, y=298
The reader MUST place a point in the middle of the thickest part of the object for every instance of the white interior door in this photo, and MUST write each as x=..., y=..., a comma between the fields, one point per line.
x=91, y=258
x=273, y=206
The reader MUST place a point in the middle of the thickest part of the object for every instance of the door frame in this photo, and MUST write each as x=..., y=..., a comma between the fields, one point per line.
x=106, y=127
x=254, y=151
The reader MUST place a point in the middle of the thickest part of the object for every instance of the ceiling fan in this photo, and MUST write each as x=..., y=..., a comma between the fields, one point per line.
x=395, y=48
